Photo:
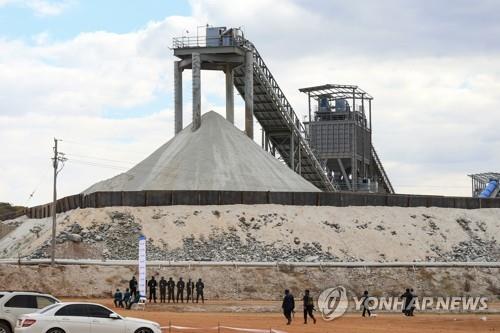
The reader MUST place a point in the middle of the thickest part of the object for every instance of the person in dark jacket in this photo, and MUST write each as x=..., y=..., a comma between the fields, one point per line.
x=365, y=302
x=308, y=307
x=412, y=302
x=126, y=297
x=163, y=290
x=288, y=306
x=407, y=297
x=132, y=284
x=133, y=300
x=180, y=290
x=152, y=284
x=199, y=291
x=118, y=299
x=190, y=291
x=170, y=289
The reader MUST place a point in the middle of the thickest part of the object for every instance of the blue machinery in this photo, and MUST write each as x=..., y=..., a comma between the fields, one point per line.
x=485, y=185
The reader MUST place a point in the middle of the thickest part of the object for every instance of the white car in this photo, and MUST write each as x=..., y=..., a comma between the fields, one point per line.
x=14, y=304
x=82, y=318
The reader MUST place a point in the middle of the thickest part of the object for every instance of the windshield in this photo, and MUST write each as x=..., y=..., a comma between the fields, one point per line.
x=48, y=308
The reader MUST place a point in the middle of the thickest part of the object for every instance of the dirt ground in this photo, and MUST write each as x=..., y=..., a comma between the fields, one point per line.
x=216, y=312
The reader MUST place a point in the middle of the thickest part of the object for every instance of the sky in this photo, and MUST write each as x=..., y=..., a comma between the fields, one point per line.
x=98, y=76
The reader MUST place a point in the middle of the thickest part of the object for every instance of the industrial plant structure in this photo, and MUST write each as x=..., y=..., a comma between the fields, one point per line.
x=333, y=150
x=485, y=185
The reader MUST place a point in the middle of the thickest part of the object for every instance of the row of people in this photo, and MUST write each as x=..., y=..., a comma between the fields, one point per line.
x=170, y=290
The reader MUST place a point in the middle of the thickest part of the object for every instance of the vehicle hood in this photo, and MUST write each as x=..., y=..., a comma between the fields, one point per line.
x=142, y=321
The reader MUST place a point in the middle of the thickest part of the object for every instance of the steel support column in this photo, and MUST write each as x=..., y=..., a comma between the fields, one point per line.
x=249, y=94
x=196, y=69
x=292, y=152
x=229, y=94
x=178, y=96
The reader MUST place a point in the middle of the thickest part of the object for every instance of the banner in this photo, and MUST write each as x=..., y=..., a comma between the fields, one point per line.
x=142, y=266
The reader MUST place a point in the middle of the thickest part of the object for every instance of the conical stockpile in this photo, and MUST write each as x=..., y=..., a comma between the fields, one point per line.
x=217, y=156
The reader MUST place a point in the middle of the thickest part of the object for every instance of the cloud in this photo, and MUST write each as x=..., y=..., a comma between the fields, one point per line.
x=434, y=113
x=41, y=7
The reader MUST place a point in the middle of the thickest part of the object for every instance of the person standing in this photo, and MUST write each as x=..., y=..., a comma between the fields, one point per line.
x=152, y=284
x=412, y=302
x=365, y=302
x=163, y=290
x=170, y=289
x=118, y=299
x=288, y=306
x=308, y=306
x=190, y=291
x=407, y=296
x=199, y=291
x=180, y=290
x=132, y=284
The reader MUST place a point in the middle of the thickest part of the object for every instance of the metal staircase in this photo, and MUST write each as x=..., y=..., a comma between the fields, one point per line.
x=280, y=123
x=386, y=183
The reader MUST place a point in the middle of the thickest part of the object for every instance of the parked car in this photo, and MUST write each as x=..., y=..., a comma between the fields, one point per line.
x=13, y=304
x=82, y=318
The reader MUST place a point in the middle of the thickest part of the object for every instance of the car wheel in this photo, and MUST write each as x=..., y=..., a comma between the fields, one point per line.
x=4, y=328
x=143, y=330
x=56, y=330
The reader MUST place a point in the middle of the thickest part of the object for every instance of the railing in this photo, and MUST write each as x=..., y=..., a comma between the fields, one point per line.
x=382, y=171
x=286, y=110
x=204, y=41
x=368, y=187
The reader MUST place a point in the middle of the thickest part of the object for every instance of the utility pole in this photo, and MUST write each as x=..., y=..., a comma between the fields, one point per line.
x=58, y=157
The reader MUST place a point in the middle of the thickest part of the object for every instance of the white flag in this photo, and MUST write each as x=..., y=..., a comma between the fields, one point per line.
x=142, y=266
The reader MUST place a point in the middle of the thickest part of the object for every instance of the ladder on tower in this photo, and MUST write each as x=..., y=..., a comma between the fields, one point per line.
x=386, y=183
x=280, y=123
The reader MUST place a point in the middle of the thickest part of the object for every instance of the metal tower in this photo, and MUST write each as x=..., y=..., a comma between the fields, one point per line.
x=340, y=134
x=227, y=50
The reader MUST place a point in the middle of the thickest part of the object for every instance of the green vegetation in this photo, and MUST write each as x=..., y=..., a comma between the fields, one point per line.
x=7, y=211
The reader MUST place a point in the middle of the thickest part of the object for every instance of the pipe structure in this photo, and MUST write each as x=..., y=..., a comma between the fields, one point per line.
x=178, y=96
x=250, y=264
x=196, y=69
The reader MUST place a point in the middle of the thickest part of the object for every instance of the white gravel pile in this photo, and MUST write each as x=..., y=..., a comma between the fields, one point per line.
x=218, y=156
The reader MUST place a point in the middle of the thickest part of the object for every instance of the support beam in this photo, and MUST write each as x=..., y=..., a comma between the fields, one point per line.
x=309, y=104
x=178, y=96
x=229, y=94
x=299, y=160
x=249, y=94
x=342, y=169
x=196, y=91
x=292, y=152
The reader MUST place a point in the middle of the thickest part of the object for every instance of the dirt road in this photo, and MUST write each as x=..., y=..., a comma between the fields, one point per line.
x=216, y=313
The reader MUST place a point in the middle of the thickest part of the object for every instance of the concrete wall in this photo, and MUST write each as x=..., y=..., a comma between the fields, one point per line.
x=259, y=283
x=339, y=199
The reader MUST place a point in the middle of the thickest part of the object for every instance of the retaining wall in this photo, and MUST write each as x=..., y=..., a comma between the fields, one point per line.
x=338, y=199
x=258, y=283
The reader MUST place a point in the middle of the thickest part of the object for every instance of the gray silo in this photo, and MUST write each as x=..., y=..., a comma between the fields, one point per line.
x=340, y=133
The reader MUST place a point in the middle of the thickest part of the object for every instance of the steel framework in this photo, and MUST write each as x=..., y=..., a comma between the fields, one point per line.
x=340, y=133
x=264, y=99
x=480, y=180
